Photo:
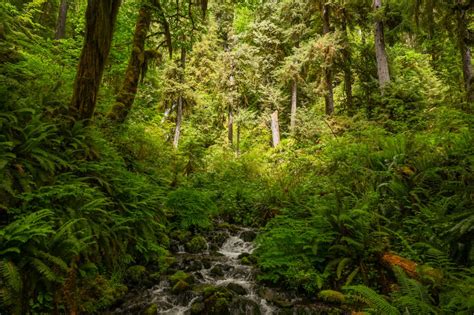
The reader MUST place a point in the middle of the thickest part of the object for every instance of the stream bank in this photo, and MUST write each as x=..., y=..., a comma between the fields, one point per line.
x=216, y=277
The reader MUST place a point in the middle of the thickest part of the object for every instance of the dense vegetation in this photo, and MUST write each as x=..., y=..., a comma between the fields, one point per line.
x=341, y=129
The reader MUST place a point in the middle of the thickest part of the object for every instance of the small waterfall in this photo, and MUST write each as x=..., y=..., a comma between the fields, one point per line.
x=221, y=270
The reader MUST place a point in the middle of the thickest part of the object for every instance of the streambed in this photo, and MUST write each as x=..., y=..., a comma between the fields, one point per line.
x=220, y=280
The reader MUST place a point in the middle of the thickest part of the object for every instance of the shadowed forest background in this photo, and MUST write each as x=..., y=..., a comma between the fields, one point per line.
x=339, y=132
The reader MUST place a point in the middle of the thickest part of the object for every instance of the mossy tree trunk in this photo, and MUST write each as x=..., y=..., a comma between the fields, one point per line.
x=329, y=96
x=346, y=52
x=463, y=36
x=100, y=21
x=294, y=101
x=61, y=23
x=128, y=91
x=179, y=114
x=275, y=129
x=380, y=53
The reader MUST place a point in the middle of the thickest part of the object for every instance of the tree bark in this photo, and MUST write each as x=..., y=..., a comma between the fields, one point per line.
x=62, y=17
x=294, y=96
x=238, y=140
x=465, y=53
x=179, y=117
x=431, y=30
x=329, y=96
x=100, y=21
x=128, y=91
x=346, y=52
x=380, y=53
x=230, y=126
x=179, y=114
x=275, y=129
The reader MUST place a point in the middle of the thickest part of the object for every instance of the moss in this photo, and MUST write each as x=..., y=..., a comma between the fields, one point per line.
x=151, y=310
x=198, y=308
x=136, y=274
x=180, y=286
x=181, y=276
x=197, y=244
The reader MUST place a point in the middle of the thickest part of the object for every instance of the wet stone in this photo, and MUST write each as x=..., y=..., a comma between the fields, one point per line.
x=217, y=270
x=237, y=288
x=242, y=305
x=248, y=236
x=194, y=265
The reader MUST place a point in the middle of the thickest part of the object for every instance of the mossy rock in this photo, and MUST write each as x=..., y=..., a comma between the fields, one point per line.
x=196, y=245
x=136, y=274
x=237, y=288
x=151, y=310
x=247, y=259
x=181, y=276
x=248, y=236
x=181, y=235
x=219, y=238
x=243, y=305
x=198, y=308
x=97, y=293
x=180, y=287
x=217, y=270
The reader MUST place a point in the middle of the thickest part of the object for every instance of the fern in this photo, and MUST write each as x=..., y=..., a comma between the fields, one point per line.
x=372, y=299
x=412, y=296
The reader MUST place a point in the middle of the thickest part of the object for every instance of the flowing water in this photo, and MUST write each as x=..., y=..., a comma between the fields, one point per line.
x=221, y=269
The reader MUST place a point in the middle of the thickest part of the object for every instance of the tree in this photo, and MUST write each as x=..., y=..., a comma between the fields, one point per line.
x=128, y=91
x=380, y=53
x=462, y=11
x=347, y=58
x=62, y=17
x=275, y=129
x=329, y=95
x=179, y=114
x=100, y=21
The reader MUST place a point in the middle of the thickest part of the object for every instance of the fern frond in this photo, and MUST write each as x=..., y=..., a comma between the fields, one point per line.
x=372, y=299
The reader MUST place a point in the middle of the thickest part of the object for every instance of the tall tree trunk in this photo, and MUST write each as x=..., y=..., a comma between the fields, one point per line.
x=230, y=126
x=128, y=91
x=382, y=60
x=275, y=129
x=179, y=114
x=329, y=96
x=294, y=96
x=346, y=52
x=238, y=139
x=465, y=52
x=100, y=21
x=431, y=30
x=230, y=123
x=61, y=23
x=179, y=117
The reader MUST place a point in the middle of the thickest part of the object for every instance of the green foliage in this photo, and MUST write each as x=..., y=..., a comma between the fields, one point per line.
x=191, y=208
x=81, y=203
x=376, y=302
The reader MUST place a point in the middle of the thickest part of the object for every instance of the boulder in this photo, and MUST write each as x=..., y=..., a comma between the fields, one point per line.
x=237, y=288
x=248, y=236
x=196, y=245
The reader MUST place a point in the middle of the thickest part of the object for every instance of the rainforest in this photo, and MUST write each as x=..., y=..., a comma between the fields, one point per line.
x=286, y=157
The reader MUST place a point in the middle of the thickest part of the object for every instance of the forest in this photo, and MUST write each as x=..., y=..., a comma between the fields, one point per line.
x=236, y=157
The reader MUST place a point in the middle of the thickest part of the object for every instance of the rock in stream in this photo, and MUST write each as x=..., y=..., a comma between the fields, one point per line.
x=212, y=282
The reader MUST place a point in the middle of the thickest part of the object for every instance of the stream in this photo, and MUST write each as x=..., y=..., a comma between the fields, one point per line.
x=221, y=284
